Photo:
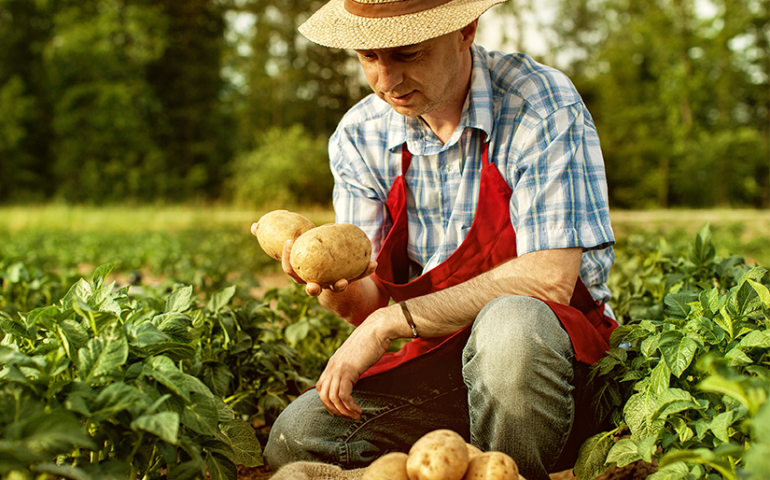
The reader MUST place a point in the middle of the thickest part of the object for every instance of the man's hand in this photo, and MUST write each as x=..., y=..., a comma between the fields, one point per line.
x=361, y=350
x=315, y=289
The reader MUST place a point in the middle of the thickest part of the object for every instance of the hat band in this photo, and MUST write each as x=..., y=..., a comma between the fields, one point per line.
x=390, y=9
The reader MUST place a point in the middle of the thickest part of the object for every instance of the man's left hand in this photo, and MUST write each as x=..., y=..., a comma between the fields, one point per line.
x=360, y=351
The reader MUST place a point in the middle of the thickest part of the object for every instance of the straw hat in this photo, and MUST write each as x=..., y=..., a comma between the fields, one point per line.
x=375, y=24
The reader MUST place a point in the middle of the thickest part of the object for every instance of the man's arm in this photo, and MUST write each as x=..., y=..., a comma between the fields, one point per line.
x=546, y=274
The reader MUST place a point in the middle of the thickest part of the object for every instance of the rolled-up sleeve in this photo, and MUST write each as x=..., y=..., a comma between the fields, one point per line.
x=560, y=191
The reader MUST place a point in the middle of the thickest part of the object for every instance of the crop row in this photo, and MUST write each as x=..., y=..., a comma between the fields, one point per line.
x=182, y=375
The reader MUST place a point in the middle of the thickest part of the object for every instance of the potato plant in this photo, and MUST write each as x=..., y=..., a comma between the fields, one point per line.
x=686, y=381
x=105, y=385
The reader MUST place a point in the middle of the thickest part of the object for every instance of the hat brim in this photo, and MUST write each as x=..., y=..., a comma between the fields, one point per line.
x=333, y=26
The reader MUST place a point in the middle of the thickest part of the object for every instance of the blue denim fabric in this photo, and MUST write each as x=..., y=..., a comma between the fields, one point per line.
x=510, y=391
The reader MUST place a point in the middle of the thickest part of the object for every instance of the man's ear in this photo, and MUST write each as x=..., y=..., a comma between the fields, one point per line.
x=469, y=33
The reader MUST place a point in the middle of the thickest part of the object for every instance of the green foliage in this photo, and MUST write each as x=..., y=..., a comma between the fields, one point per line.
x=288, y=167
x=679, y=93
x=689, y=371
x=97, y=387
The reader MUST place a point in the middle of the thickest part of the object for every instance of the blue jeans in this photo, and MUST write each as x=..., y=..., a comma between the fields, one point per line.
x=513, y=390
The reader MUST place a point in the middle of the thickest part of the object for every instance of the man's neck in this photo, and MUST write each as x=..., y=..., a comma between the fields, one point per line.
x=443, y=122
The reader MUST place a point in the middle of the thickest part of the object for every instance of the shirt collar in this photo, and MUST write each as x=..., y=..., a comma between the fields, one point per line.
x=478, y=112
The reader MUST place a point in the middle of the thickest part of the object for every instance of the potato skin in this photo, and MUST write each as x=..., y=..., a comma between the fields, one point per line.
x=439, y=455
x=331, y=252
x=492, y=466
x=473, y=451
x=274, y=228
x=391, y=466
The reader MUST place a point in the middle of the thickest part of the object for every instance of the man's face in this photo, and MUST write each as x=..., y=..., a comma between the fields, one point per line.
x=421, y=78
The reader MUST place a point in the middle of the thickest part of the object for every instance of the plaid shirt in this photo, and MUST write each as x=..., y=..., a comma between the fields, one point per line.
x=541, y=138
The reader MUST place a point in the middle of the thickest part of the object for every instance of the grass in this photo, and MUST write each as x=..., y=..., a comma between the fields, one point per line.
x=741, y=232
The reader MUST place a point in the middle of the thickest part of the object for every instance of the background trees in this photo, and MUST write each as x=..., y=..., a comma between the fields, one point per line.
x=164, y=101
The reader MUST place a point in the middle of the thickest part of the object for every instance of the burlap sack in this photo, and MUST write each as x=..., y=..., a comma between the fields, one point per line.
x=316, y=471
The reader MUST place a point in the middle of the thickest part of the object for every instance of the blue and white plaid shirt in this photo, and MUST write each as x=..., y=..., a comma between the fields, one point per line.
x=541, y=137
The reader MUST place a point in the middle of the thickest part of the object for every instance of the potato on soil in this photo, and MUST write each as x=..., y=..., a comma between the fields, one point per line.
x=331, y=252
x=391, y=466
x=492, y=466
x=438, y=455
x=274, y=228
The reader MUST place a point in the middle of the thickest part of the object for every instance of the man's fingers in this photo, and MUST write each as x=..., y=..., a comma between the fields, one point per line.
x=346, y=395
x=323, y=388
x=340, y=397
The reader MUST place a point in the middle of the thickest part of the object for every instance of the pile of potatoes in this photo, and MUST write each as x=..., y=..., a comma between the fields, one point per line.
x=443, y=455
x=320, y=255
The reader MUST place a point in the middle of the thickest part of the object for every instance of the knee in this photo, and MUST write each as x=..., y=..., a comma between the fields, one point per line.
x=518, y=323
x=514, y=334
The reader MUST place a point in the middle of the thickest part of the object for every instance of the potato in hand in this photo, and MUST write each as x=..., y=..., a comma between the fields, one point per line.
x=276, y=227
x=330, y=253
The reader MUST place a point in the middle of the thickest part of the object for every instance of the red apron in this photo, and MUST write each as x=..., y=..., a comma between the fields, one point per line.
x=490, y=241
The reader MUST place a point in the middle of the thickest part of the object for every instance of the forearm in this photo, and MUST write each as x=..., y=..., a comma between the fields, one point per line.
x=548, y=275
x=357, y=302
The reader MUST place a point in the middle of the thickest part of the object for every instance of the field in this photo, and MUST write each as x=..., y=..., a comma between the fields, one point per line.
x=202, y=329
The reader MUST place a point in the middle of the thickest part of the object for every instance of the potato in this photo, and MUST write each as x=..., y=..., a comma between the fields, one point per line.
x=492, y=466
x=274, y=228
x=391, y=466
x=473, y=451
x=331, y=252
x=438, y=455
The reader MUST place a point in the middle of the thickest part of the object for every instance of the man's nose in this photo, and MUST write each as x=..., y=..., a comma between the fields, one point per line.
x=389, y=75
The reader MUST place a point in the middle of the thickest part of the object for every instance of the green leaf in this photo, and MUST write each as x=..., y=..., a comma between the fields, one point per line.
x=163, y=370
x=678, y=304
x=101, y=274
x=54, y=432
x=738, y=357
x=243, y=440
x=719, y=384
x=660, y=378
x=189, y=470
x=677, y=350
x=103, y=355
x=115, y=398
x=592, y=456
x=673, y=471
x=221, y=468
x=81, y=289
x=14, y=326
x=720, y=425
x=165, y=425
x=220, y=299
x=762, y=291
x=624, y=452
x=756, y=339
x=703, y=251
x=217, y=376
x=180, y=300
x=201, y=415
x=65, y=471
x=638, y=412
x=673, y=400
x=296, y=332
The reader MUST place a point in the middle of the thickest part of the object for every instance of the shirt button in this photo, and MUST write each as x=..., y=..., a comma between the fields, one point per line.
x=449, y=167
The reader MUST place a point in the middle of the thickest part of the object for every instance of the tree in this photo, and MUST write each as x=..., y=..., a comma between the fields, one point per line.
x=25, y=110
x=679, y=95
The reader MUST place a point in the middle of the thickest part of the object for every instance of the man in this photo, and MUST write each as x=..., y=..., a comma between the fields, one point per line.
x=479, y=179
